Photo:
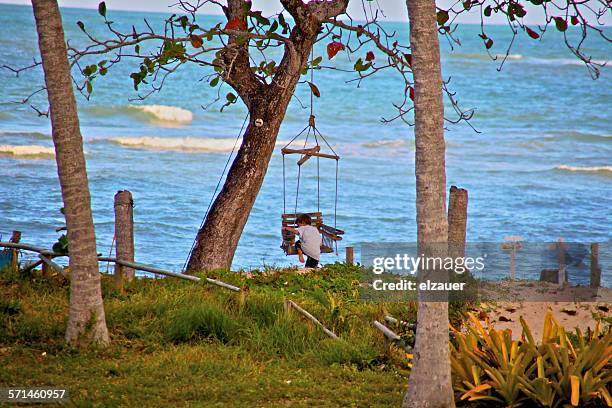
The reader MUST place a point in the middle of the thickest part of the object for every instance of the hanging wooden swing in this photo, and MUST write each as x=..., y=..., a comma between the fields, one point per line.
x=331, y=235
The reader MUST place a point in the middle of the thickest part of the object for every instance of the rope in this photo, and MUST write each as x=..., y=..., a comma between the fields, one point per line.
x=311, y=81
x=284, y=189
x=216, y=188
x=110, y=252
x=297, y=192
x=336, y=205
x=336, y=200
x=318, y=187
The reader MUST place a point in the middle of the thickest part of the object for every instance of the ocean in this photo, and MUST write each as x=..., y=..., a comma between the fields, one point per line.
x=540, y=165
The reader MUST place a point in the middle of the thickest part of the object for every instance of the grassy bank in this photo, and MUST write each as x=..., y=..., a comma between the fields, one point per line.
x=187, y=344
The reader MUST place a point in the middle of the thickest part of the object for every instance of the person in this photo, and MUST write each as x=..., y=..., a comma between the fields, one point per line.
x=309, y=242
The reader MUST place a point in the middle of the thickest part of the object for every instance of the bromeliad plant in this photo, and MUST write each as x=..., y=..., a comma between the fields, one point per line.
x=489, y=367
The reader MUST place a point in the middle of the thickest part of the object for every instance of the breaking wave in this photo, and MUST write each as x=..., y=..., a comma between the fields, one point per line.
x=181, y=144
x=27, y=151
x=599, y=169
x=163, y=113
x=395, y=143
x=528, y=60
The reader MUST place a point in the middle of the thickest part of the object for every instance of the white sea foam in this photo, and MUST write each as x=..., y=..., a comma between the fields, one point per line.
x=163, y=113
x=510, y=56
x=27, y=151
x=386, y=143
x=182, y=144
x=600, y=169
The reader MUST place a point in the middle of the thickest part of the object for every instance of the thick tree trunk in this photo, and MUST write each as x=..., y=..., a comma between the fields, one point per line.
x=86, y=323
x=430, y=380
x=216, y=242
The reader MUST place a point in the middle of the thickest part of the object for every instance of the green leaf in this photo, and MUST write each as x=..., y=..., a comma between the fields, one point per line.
x=316, y=61
x=442, y=17
x=214, y=82
x=487, y=11
x=519, y=10
x=183, y=20
x=360, y=66
x=246, y=6
x=89, y=87
x=261, y=20
x=81, y=25
x=102, y=9
x=103, y=71
x=137, y=49
x=561, y=24
x=231, y=98
x=281, y=21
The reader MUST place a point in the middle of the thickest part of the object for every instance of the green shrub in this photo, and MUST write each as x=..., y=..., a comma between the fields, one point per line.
x=347, y=352
x=202, y=321
x=9, y=307
x=287, y=336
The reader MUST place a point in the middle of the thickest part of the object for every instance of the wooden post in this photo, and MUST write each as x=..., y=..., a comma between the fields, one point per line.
x=15, y=238
x=561, y=277
x=513, y=247
x=124, y=236
x=457, y=221
x=349, y=255
x=595, y=269
x=45, y=269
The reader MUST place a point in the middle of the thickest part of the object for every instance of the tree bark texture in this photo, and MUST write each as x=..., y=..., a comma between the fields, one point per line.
x=430, y=380
x=124, y=236
x=86, y=323
x=457, y=221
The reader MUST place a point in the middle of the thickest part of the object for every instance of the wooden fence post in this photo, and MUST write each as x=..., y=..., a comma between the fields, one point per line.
x=15, y=238
x=595, y=269
x=562, y=276
x=349, y=255
x=457, y=221
x=124, y=236
x=513, y=246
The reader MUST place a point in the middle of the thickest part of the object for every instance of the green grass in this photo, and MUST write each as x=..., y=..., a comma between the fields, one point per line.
x=187, y=344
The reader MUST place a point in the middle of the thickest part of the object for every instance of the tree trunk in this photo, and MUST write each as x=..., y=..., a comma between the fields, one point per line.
x=216, y=242
x=430, y=380
x=86, y=323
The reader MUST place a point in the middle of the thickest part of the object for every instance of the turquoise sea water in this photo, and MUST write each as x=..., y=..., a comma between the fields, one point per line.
x=541, y=166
